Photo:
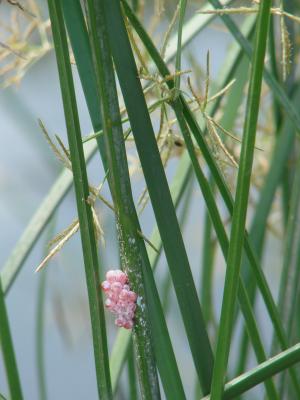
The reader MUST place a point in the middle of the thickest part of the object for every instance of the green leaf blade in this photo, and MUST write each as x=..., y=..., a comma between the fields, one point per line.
x=241, y=203
x=82, y=192
x=159, y=194
x=9, y=358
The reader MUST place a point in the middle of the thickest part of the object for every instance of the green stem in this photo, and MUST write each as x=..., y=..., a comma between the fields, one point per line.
x=63, y=183
x=164, y=353
x=182, y=8
x=40, y=322
x=278, y=117
x=8, y=352
x=277, y=114
x=241, y=203
x=259, y=374
x=133, y=394
x=283, y=147
x=89, y=245
x=184, y=212
x=40, y=335
x=271, y=81
x=118, y=354
x=225, y=192
x=126, y=217
x=225, y=246
x=208, y=253
x=159, y=194
x=289, y=282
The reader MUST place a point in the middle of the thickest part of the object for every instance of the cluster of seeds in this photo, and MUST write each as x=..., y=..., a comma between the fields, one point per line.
x=121, y=301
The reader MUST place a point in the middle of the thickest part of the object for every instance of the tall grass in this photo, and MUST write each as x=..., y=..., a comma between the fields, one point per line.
x=134, y=94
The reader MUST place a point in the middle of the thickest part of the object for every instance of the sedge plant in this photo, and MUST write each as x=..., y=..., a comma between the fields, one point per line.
x=218, y=158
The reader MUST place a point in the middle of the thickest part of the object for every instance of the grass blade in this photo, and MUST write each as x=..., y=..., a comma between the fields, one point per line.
x=289, y=282
x=119, y=180
x=133, y=394
x=159, y=193
x=8, y=352
x=118, y=357
x=64, y=181
x=223, y=240
x=122, y=341
x=225, y=246
x=259, y=374
x=190, y=30
x=207, y=262
x=271, y=81
x=40, y=323
x=40, y=336
x=257, y=271
x=241, y=203
x=254, y=336
x=85, y=216
x=162, y=345
x=80, y=43
x=283, y=148
x=225, y=192
x=182, y=8
x=182, y=217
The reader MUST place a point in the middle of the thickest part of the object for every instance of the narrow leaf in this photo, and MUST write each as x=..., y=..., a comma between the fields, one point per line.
x=259, y=374
x=241, y=203
x=8, y=352
x=85, y=216
x=159, y=193
x=225, y=192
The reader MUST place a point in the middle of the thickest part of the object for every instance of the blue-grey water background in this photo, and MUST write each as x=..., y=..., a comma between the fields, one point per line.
x=27, y=170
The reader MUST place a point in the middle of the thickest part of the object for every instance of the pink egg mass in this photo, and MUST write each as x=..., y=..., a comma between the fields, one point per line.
x=121, y=301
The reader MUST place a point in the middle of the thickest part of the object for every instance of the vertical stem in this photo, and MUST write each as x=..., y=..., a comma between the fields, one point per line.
x=241, y=204
x=289, y=282
x=126, y=217
x=89, y=245
x=159, y=193
x=163, y=349
x=133, y=394
x=8, y=352
x=182, y=7
x=40, y=323
x=40, y=362
x=208, y=251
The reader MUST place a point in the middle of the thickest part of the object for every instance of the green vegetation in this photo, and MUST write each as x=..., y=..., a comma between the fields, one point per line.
x=218, y=156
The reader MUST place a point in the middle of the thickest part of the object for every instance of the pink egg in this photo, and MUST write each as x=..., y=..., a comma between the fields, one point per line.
x=116, y=287
x=121, y=277
x=105, y=286
x=120, y=299
x=128, y=325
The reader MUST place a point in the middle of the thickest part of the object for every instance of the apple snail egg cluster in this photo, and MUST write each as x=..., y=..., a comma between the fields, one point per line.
x=121, y=301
